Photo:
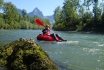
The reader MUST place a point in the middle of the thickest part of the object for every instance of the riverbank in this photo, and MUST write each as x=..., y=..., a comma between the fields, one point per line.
x=87, y=32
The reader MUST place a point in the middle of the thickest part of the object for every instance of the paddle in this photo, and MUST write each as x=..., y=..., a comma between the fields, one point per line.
x=39, y=22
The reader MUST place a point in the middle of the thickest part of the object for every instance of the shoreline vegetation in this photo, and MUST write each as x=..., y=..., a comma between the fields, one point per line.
x=16, y=19
x=77, y=15
x=74, y=15
x=23, y=54
x=87, y=32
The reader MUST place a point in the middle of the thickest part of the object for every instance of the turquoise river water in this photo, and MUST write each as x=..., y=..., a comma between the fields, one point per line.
x=82, y=51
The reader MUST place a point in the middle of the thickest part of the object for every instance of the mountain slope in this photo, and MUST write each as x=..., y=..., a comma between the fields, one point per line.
x=36, y=11
x=51, y=18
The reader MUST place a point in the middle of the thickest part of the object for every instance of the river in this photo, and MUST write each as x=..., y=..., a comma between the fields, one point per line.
x=82, y=51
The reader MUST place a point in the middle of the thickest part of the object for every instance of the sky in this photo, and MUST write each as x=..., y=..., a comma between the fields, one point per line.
x=46, y=6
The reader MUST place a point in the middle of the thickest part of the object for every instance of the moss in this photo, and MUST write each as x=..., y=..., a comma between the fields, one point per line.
x=25, y=54
x=3, y=62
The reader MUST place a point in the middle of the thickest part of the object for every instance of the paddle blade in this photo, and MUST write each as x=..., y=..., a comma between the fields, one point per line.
x=39, y=22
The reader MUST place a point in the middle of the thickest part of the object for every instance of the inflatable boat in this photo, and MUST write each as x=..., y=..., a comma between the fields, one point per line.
x=49, y=37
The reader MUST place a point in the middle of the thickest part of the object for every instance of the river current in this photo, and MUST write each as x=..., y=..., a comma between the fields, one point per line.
x=81, y=51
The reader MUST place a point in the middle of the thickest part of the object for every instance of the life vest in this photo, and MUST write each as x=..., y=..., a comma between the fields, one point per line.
x=46, y=32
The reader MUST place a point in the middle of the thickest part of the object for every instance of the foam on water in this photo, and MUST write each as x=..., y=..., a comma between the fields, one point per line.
x=89, y=50
x=68, y=42
x=96, y=42
x=100, y=44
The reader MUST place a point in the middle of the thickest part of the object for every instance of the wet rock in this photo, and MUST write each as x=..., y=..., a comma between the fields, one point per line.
x=25, y=54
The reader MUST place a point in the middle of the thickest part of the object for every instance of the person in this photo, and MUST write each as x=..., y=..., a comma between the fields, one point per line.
x=47, y=31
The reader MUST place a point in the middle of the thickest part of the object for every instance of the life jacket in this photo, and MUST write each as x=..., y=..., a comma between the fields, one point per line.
x=46, y=32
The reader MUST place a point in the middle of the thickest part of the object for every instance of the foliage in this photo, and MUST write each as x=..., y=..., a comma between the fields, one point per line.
x=76, y=15
x=24, y=14
x=67, y=17
x=12, y=19
x=25, y=54
x=1, y=3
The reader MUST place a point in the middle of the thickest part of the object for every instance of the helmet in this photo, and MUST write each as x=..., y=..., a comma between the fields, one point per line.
x=47, y=25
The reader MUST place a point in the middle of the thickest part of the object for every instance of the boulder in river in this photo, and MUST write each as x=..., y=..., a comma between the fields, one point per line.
x=25, y=54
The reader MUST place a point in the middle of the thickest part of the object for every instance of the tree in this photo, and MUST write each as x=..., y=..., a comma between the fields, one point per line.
x=70, y=15
x=1, y=16
x=24, y=14
x=46, y=21
x=95, y=6
x=102, y=6
x=1, y=3
x=57, y=14
x=11, y=14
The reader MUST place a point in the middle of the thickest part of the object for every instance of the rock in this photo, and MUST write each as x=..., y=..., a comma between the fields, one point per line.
x=25, y=54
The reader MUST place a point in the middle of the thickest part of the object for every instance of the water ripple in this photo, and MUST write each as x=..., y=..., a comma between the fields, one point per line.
x=101, y=45
x=93, y=51
x=69, y=42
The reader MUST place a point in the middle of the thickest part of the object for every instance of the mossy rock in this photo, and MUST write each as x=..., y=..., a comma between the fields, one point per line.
x=25, y=54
